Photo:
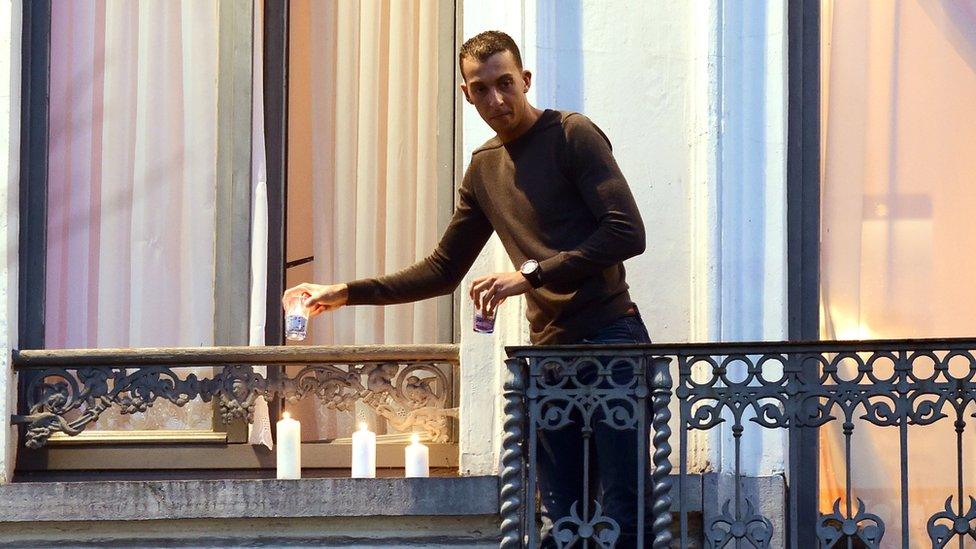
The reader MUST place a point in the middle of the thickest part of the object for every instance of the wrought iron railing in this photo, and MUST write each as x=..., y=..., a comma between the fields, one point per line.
x=794, y=387
x=410, y=385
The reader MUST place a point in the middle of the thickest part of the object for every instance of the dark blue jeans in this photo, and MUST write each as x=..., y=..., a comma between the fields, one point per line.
x=613, y=454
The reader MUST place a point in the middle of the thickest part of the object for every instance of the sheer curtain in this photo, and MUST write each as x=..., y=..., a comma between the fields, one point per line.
x=899, y=128
x=259, y=432
x=363, y=195
x=133, y=146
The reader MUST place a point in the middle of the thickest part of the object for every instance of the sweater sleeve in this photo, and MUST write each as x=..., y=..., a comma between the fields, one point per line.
x=620, y=231
x=441, y=271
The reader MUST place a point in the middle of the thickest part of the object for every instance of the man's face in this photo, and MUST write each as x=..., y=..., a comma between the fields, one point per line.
x=497, y=88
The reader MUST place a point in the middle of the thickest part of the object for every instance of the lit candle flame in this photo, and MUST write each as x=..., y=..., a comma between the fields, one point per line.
x=363, y=426
x=415, y=438
x=286, y=415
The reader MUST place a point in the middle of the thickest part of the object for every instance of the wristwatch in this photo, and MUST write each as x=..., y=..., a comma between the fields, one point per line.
x=532, y=272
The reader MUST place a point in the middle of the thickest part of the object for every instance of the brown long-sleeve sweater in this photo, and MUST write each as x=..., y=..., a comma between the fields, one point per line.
x=554, y=194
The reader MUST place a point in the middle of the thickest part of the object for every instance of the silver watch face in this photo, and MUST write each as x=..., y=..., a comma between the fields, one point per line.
x=529, y=266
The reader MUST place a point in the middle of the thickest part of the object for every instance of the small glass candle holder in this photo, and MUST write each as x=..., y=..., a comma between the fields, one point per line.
x=296, y=319
x=484, y=322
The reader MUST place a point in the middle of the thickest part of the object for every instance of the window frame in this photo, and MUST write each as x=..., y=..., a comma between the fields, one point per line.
x=233, y=193
x=448, y=153
x=803, y=238
x=233, y=196
x=35, y=87
x=222, y=453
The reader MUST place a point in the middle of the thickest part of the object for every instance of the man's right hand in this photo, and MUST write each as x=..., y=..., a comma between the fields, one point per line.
x=317, y=298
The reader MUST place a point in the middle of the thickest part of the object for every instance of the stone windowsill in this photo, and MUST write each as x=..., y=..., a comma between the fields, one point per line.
x=247, y=498
x=270, y=498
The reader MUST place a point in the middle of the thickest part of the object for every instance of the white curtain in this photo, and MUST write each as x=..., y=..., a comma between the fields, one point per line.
x=899, y=128
x=130, y=259
x=363, y=182
x=259, y=432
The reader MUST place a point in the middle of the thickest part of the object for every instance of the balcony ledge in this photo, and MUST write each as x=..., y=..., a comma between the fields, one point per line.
x=247, y=498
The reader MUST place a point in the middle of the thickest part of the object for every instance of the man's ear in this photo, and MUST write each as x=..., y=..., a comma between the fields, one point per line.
x=464, y=90
x=527, y=79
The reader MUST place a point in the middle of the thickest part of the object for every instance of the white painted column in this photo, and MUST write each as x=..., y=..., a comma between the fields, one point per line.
x=482, y=355
x=738, y=197
x=704, y=247
x=752, y=198
x=10, y=33
x=738, y=222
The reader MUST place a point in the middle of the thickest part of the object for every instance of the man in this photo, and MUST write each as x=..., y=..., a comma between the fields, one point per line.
x=548, y=184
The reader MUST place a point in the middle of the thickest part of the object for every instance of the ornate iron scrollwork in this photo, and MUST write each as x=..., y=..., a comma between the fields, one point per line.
x=726, y=528
x=584, y=390
x=599, y=528
x=864, y=527
x=958, y=525
x=790, y=386
x=587, y=390
x=409, y=395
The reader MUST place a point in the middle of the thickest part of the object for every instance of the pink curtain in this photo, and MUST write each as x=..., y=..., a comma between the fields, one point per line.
x=131, y=182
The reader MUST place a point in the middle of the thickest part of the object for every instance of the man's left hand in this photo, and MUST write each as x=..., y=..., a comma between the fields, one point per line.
x=488, y=292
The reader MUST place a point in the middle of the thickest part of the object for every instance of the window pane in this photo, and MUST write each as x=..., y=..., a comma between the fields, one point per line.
x=133, y=118
x=368, y=192
x=898, y=127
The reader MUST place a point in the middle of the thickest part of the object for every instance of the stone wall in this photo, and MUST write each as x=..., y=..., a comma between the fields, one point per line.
x=10, y=24
x=434, y=512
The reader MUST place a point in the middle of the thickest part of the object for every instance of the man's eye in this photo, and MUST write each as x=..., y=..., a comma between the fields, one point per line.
x=506, y=83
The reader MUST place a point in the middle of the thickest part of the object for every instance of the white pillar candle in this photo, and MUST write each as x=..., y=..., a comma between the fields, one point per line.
x=363, y=453
x=289, y=447
x=416, y=459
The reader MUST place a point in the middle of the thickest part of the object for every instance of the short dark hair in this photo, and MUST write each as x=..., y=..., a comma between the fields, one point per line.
x=485, y=44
